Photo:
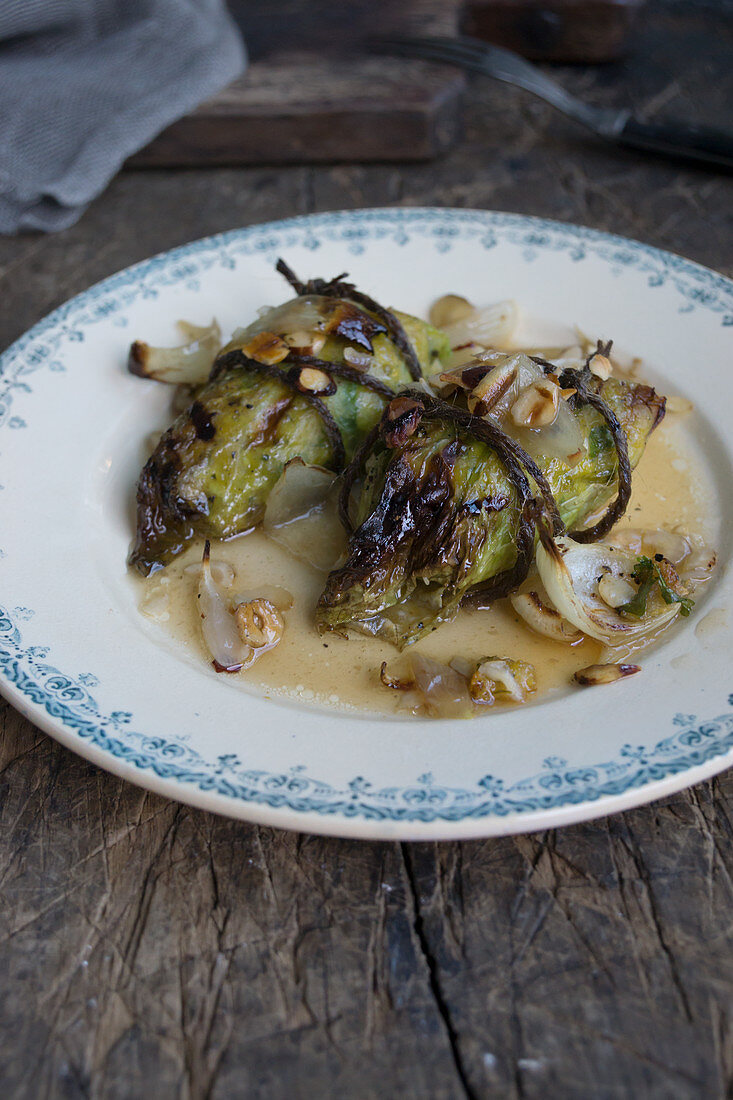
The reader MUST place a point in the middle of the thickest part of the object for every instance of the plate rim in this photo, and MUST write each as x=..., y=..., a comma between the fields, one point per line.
x=358, y=819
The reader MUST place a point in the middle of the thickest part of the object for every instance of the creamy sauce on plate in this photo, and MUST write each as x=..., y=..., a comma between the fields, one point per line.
x=670, y=490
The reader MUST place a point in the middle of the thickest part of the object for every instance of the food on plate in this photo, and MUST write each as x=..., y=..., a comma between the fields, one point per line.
x=449, y=500
x=393, y=476
x=306, y=380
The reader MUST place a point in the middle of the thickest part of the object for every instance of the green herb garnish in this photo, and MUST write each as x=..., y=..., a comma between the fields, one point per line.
x=647, y=573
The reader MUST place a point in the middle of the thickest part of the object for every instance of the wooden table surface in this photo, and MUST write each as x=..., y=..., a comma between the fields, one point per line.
x=152, y=950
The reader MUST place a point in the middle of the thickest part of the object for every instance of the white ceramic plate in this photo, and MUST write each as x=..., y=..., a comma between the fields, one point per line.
x=78, y=659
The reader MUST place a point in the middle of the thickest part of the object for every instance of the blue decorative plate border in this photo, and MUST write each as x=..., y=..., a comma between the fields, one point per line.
x=68, y=700
x=697, y=287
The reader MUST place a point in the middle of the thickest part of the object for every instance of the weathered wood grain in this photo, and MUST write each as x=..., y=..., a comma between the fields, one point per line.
x=148, y=949
x=311, y=110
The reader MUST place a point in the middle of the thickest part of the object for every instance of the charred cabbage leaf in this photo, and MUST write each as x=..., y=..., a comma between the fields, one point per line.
x=441, y=513
x=308, y=379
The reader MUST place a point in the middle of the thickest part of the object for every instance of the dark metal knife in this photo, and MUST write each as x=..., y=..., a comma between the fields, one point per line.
x=672, y=139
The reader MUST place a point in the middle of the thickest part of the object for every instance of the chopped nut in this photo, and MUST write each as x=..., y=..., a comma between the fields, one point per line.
x=614, y=590
x=307, y=343
x=361, y=360
x=537, y=405
x=312, y=380
x=491, y=389
x=259, y=623
x=600, y=365
x=593, y=675
x=499, y=679
x=267, y=348
x=449, y=309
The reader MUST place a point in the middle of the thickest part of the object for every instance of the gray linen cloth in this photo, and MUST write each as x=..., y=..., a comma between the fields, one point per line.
x=86, y=83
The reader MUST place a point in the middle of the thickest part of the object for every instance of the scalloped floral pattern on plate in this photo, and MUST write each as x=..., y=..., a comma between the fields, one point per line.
x=65, y=702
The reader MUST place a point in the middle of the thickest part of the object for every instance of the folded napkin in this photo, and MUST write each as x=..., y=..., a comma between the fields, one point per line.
x=86, y=83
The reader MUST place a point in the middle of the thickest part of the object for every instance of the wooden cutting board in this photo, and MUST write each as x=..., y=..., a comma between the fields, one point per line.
x=297, y=109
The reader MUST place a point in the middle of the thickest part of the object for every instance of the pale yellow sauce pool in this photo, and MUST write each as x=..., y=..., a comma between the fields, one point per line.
x=670, y=490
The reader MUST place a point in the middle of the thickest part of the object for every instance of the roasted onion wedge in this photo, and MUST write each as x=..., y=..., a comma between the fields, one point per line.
x=571, y=573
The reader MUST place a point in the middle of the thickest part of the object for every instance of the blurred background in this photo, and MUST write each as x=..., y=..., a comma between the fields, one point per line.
x=91, y=85
x=161, y=121
x=313, y=93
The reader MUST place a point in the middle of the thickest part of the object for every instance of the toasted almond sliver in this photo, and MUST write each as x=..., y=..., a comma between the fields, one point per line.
x=267, y=348
x=593, y=675
x=309, y=343
x=315, y=381
x=600, y=365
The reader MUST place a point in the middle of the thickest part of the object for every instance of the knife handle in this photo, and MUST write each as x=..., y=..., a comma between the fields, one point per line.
x=675, y=139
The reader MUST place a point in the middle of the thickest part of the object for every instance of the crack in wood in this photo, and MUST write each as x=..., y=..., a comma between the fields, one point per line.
x=441, y=1002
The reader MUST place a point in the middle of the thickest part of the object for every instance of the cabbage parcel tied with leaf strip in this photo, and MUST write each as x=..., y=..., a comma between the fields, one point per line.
x=307, y=379
x=430, y=467
x=443, y=512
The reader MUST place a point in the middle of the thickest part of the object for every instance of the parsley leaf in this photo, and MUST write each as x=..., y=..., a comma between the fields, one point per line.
x=647, y=573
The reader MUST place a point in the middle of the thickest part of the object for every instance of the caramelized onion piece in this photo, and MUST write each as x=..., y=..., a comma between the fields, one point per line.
x=489, y=326
x=543, y=619
x=222, y=572
x=218, y=626
x=302, y=515
x=570, y=573
x=439, y=690
x=189, y=364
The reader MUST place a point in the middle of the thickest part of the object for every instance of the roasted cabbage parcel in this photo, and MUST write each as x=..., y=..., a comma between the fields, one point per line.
x=444, y=503
x=465, y=471
x=307, y=379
